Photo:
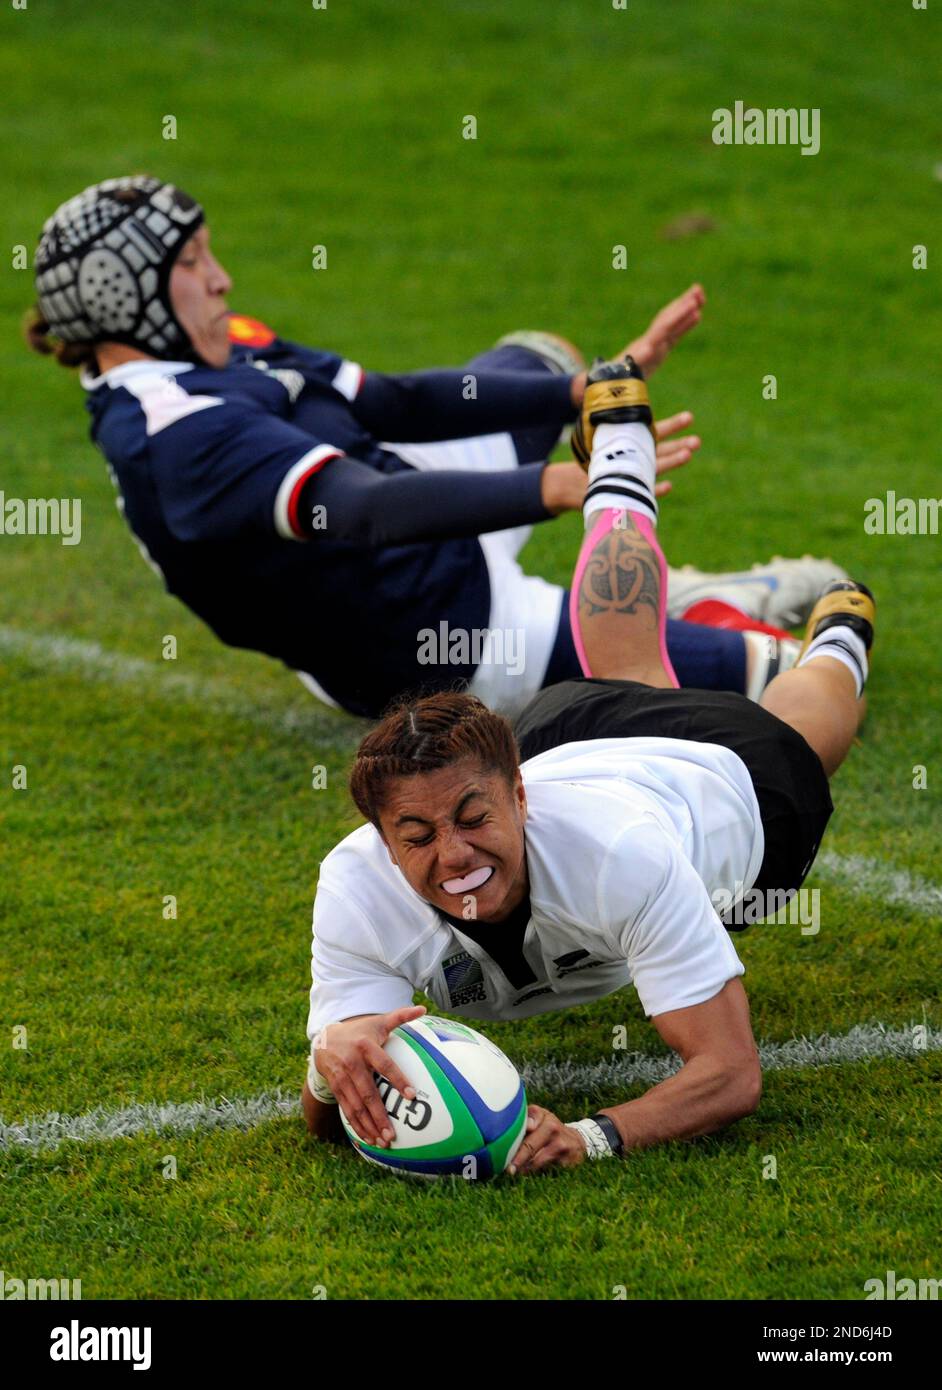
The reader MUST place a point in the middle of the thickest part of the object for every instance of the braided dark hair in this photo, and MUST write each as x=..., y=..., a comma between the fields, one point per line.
x=417, y=736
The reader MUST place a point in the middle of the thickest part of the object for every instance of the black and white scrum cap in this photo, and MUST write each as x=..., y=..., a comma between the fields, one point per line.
x=103, y=264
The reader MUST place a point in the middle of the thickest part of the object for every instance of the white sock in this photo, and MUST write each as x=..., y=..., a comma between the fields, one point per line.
x=844, y=645
x=622, y=471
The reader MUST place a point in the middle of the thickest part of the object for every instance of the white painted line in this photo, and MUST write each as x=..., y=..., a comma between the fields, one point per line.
x=864, y=1043
x=191, y=1117
x=91, y=661
x=871, y=878
x=48, y=1131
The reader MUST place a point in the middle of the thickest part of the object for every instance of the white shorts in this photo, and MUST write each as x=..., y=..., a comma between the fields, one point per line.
x=525, y=609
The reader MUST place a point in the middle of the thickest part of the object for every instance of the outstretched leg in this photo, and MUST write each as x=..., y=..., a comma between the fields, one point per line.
x=822, y=696
x=618, y=598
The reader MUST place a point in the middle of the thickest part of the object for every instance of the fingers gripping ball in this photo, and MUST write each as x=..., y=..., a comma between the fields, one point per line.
x=469, y=1112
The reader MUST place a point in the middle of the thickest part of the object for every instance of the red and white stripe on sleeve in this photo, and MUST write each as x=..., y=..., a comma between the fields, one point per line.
x=289, y=493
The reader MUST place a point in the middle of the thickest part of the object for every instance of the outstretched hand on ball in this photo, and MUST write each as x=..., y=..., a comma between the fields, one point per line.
x=549, y=1142
x=348, y=1055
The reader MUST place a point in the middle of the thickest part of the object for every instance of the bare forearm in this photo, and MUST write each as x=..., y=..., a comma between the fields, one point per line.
x=699, y=1099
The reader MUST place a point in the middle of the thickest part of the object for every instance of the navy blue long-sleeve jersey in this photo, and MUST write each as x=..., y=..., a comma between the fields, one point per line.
x=262, y=493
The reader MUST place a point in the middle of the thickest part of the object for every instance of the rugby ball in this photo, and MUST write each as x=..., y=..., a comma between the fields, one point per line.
x=469, y=1112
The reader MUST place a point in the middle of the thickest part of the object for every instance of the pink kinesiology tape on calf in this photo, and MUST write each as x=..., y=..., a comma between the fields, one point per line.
x=606, y=523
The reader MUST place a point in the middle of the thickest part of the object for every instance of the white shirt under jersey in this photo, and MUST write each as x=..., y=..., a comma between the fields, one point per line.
x=627, y=839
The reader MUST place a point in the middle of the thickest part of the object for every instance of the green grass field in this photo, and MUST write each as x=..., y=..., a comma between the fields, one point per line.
x=192, y=778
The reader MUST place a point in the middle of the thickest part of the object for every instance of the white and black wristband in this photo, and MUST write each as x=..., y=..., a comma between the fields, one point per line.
x=600, y=1136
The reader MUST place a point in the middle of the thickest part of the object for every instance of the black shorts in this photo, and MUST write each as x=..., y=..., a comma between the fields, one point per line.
x=790, y=783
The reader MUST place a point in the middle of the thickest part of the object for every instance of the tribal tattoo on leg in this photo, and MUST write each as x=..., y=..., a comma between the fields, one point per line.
x=622, y=576
x=617, y=601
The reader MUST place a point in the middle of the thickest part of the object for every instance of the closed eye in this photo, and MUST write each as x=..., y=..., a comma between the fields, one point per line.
x=464, y=824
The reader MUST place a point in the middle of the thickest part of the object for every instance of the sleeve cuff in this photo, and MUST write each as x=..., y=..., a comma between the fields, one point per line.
x=689, y=998
x=289, y=492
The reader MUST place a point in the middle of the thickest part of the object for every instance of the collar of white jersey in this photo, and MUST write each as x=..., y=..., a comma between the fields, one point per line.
x=116, y=376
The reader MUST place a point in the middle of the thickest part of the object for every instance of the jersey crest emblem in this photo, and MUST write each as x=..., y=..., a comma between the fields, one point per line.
x=292, y=381
x=464, y=980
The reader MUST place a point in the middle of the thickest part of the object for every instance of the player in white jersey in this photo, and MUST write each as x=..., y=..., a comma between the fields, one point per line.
x=505, y=889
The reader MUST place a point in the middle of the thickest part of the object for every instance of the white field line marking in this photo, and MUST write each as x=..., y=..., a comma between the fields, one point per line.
x=861, y=1044
x=200, y=1116
x=871, y=878
x=91, y=661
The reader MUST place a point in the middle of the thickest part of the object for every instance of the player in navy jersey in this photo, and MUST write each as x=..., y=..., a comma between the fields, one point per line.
x=341, y=521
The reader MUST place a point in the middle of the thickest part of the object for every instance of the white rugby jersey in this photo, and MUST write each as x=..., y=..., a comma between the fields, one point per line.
x=626, y=841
